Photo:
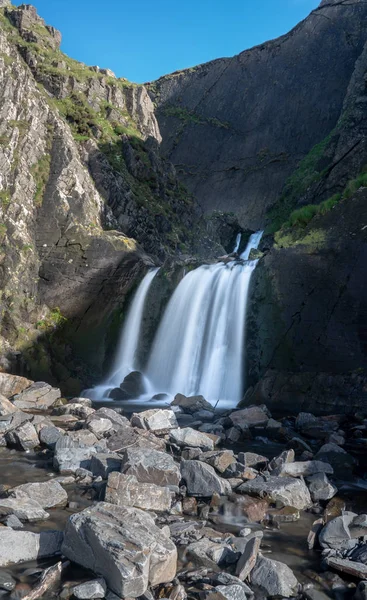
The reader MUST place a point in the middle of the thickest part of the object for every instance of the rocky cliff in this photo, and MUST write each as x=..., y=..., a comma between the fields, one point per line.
x=237, y=128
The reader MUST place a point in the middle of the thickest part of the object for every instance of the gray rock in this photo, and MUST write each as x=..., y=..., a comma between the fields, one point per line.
x=342, y=462
x=250, y=459
x=77, y=410
x=90, y=590
x=23, y=508
x=248, y=558
x=204, y=416
x=13, y=522
x=192, y=404
x=250, y=417
x=69, y=460
x=127, y=437
x=336, y=533
x=219, y=459
x=202, y=480
x=276, y=465
x=39, y=396
x=25, y=437
x=320, y=487
x=83, y=437
x=361, y=593
x=49, y=436
x=23, y=546
x=192, y=438
x=309, y=467
x=292, y=492
x=13, y=384
x=125, y=490
x=116, y=419
x=99, y=427
x=102, y=465
x=274, y=577
x=231, y=592
x=48, y=494
x=211, y=554
x=6, y=407
x=349, y=567
x=155, y=420
x=7, y=582
x=151, y=467
x=123, y=545
x=83, y=401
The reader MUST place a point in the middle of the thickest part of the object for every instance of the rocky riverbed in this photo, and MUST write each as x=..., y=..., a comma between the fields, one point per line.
x=179, y=502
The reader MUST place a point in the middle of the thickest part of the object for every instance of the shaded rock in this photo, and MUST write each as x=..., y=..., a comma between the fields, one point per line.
x=287, y=514
x=69, y=460
x=250, y=459
x=203, y=415
x=190, y=437
x=211, y=554
x=314, y=533
x=102, y=465
x=13, y=522
x=151, y=467
x=321, y=487
x=155, y=420
x=77, y=410
x=277, y=464
x=39, y=396
x=23, y=546
x=309, y=467
x=349, y=567
x=220, y=459
x=336, y=533
x=25, y=437
x=192, y=404
x=25, y=509
x=342, y=462
x=49, y=436
x=48, y=494
x=254, y=509
x=10, y=385
x=125, y=490
x=274, y=577
x=90, y=590
x=123, y=545
x=133, y=385
x=7, y=582
x=292, y=492
x=248, y=558
x=250, y=417
x=202, y=480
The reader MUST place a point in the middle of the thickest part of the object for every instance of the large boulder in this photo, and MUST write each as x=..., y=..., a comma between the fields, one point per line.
x=103, y=464
x=336, y=534
x=133, y=385
x=201, y=479
x=151, y=466
x=155, y=419
x=10, y=385
x=342, y=462
x=24, y=508
x=48, y=494
x=23, y=546
x=274, y=577
x=289, y=491
x=192, y=404
x=39, y=396
x=126, y=490
x=123, y=545
x=69, y=457
x=24, y=436
x=321, y=487
x=6, y=407
x=192, y=438
x=252, y=416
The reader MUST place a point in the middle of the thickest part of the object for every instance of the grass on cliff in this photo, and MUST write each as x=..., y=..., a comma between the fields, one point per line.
x=190, y=116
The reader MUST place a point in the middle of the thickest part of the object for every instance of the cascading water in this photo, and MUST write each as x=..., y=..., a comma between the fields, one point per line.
x=126, y=360
x=252, y=244
x=238, y=241
x=199, y=346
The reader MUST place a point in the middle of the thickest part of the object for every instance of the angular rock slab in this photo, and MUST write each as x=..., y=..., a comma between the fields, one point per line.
x=349, y=567
x=274, y=577
x=23, y=508
x=13, y=384
x=151, y=466
x=192, y=404
x=202, y=480
x=123, y=545
x=39, y=396
x=125, y=490
x=48, y=494
x=23, y=546
x=306, y=468
x=155, y=420
x=292, y=492
x=91, y=590
x=253, y=416
x=192, y=438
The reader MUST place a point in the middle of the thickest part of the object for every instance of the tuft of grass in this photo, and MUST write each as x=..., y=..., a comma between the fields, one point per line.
x=41, y=174
x=4, y=199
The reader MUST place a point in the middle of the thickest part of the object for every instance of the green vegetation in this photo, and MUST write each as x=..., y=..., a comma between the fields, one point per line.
x=190, y=116
x=4, y=199
x=3, y=230
x=288, y=238
x=41, y=173
x=53, y=320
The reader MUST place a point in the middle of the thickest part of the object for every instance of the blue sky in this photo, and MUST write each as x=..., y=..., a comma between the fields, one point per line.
x=144, y=39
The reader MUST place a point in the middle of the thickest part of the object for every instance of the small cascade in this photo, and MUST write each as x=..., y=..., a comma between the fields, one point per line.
x=238, y=242
x=253, y=244
x=126, y=360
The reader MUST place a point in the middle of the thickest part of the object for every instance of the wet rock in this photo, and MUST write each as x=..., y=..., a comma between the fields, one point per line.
x=292, y=492
x=250, y=459
x=99, y=427
x=248, y=558
x=287, y=514
x=359, y=554
x=320, y=487
x=203, y=416
x=151, y=467
x=309, y=467
x=10, y=385
x=123, y=545
x=49, y=436
x=342, y=462
x=190, y=437
x=39, y=396
x=220, y=459
x=90, y=590
x=155, y=420
x=48, y=494
x=314, y=533
x=102, y=465
x=192, y=404
x=6, y=407
x=25, y=437
x=201, y=479
x=336, y=533
x=7, y=582
x=83, y=401
x=125, y=490
x=13, y=522
x=274, y=577
x=24, y=546
x=347, y=566
x=23, y=508
x=250, y=417
x=254, y=509
x=361, y=593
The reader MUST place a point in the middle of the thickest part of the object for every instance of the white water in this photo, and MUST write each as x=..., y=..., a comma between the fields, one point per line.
x=238, y=241
x=199, y=346
x=126, y=353
x=253, y=243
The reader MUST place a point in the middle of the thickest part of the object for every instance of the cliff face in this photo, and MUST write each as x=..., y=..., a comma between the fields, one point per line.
x=84, y=196
x=237, y=128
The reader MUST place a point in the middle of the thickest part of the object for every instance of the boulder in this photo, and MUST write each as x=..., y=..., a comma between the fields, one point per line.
x=356, y=569
x=250, y=459
x=100, y=427
x=48, y=436
x=230, y=592
x=133, y=385
x=126, y=437
x=192, y=404
x=23, y=546
x=116, y=419
x=24, y=437
x=336, y=533
x=39, y=396
x=211, y=554
x=7, y=582
x=248, y=558
x=220, y=459
x=192, y=438
x=102, y=464
x=91, y=590
x=23, y=508
x=125, y=490
x=289, y=491
x=68, y=460
x=83, y=437
x=305, y=468
x=123, y=545
x=155, y=419
x=320, y=487
x=252, y=416
x=151, y=467
x=201, y=479
x=6, y=407
x=48, y=494
x=77, y=410
x=254, y=509
x=342, y=462
x=274, y=577
x=277, y=463
x=10, y=385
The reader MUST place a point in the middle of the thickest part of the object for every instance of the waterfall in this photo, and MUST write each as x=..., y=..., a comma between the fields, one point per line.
x=238, y=241
x=199, y=345
x=253, y=244
x=125, y=358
